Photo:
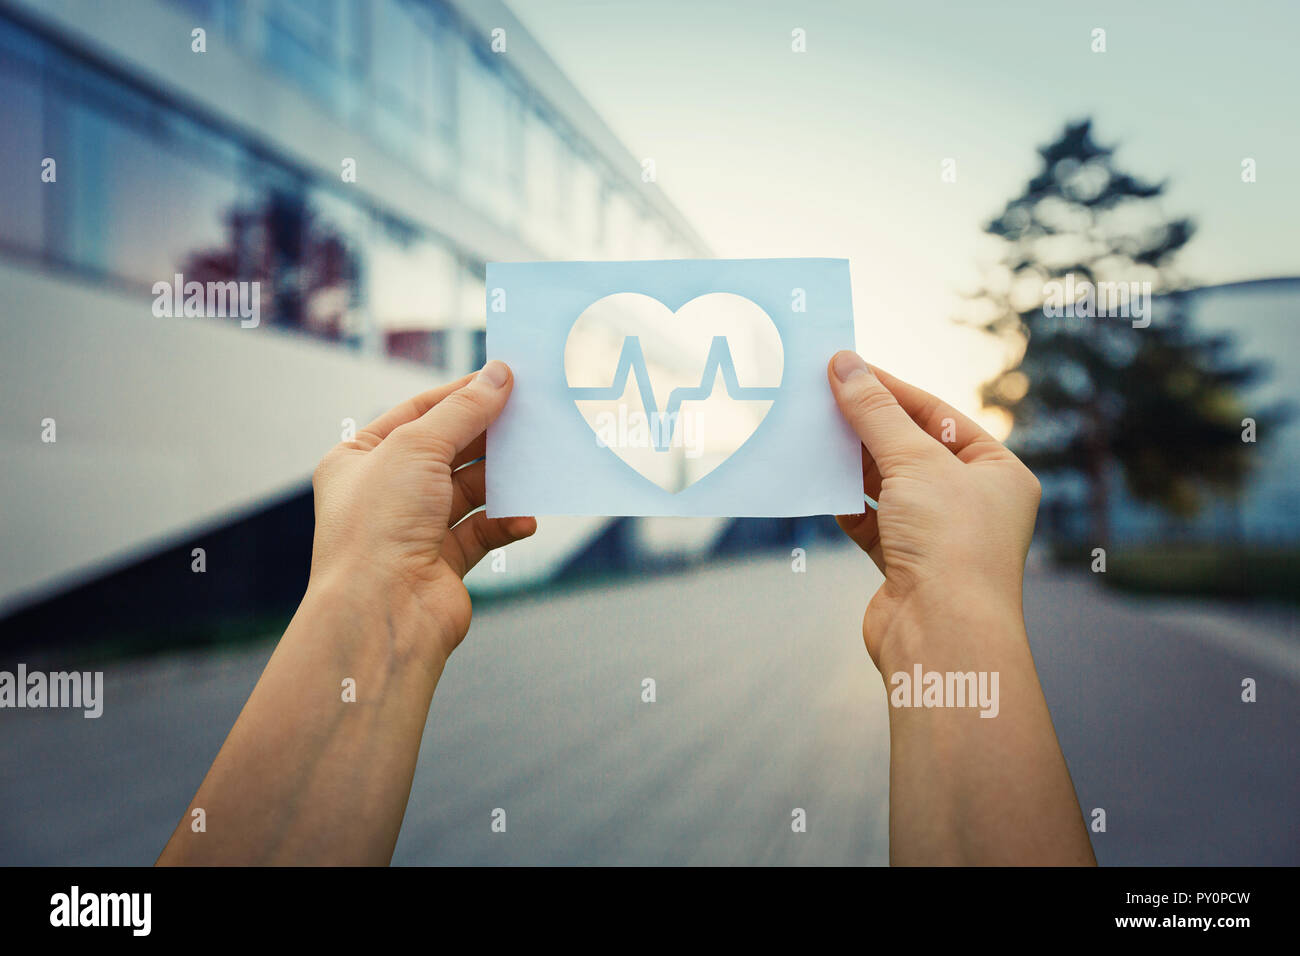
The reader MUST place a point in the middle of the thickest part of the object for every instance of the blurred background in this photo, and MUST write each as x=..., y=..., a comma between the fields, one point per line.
x=363, y=159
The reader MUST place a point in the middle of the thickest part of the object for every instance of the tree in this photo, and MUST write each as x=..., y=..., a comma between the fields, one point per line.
x=1094, y=387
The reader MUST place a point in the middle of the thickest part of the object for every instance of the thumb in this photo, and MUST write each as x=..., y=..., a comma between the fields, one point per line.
x=886, y=430
x=465, y=414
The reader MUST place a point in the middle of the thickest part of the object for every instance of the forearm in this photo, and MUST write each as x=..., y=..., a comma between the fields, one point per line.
x=968, y=789
x=309, y=775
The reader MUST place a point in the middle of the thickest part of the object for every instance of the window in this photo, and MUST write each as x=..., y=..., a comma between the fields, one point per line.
x=300, y=40
x=414, y=86
x=546, y=184
x=146, y=195
x=268, y=229
x=223, y=15
x=472, y=307
x=330, y=268
x=478, y=349
x=411, y=292
x=426, y=346
x=490, y=116
x=22, y=146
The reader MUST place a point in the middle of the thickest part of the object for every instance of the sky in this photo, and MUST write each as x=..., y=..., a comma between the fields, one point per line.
x=836, y=151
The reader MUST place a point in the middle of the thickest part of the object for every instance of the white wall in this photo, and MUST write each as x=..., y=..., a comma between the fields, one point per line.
x=166, y=426
x=163, y=425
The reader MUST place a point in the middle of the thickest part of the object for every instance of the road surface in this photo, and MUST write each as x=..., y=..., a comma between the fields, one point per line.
x=765, y=702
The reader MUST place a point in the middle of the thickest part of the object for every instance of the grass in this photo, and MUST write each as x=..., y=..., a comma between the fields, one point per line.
x=1225, y=570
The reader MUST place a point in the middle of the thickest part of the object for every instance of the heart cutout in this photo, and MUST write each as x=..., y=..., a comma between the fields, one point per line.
x=646, y=380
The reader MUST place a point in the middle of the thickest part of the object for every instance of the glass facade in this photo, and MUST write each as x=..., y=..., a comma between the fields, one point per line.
x=145, y=191
x=23, y=214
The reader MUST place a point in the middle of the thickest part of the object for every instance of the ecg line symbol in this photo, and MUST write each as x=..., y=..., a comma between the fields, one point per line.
x=631, y=361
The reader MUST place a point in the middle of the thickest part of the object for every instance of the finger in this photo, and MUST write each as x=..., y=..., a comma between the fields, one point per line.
x=478, y=534
x=471, y=452
x=958, y=433
x=468, y=490
x=452, y=426
x=410, y=410
x=886, y=431
x=863, y=528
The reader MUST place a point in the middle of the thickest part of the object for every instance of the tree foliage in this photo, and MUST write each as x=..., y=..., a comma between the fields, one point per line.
x=1087, y=394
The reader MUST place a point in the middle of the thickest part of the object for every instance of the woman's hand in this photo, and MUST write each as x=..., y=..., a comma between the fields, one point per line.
x=318, y=768
x=390, y=504
x=951, y=535
x=956, y=508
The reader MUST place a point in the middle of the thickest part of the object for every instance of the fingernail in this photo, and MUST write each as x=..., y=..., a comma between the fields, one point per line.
x=494, y=373
x=849, y=364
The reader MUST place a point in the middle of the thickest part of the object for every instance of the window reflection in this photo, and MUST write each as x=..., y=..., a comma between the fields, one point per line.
x=307, y=268
x=332, y=270
x=22, y=108
x=139, y=201
x=411, y=74
x=409, y=286
x=145, y=192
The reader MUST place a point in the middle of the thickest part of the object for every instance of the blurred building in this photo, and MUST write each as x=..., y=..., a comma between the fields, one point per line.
x=1260, y=318
x=132, y=157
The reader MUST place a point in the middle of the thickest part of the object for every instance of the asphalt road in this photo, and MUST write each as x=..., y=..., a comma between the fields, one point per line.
x=766, y=702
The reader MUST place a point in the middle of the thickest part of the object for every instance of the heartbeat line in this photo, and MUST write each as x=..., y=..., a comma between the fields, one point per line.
x=631, y=361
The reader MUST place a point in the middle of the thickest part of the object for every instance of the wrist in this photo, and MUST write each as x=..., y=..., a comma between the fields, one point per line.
x=936, y=624
x=382, y=616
